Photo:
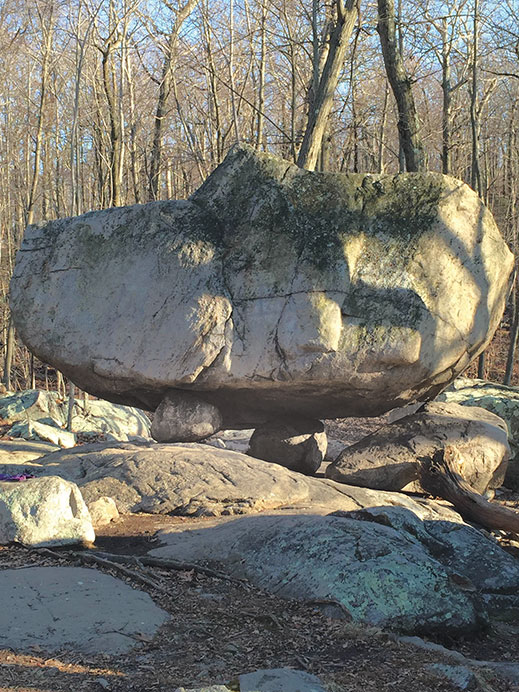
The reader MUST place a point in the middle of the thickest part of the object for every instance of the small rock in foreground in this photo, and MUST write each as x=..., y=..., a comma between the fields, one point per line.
x=47, y=511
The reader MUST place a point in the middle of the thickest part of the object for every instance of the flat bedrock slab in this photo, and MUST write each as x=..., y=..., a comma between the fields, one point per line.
x=271, y=290
x=389, y=459
x=73, y=608
x=200, y=480
x=280, y=680
x=385, y=565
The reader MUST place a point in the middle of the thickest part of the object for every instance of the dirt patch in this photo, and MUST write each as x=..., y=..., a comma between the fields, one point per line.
x=220, y=629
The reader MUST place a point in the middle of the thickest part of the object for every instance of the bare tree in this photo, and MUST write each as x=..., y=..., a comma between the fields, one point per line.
x=325, y=83
x=408, y=121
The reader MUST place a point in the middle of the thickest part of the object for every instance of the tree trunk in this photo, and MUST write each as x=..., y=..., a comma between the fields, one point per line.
x=9, y=353
x=168, y=67
x=408, y=123
x=514, y=330
x=447, y=98
x=322, y=102
x=440, y=477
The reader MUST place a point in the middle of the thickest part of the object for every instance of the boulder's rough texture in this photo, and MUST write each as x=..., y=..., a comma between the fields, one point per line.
x=184, y=417
x=186, y=479
x=74, y=608
x=38, y=430
x=236, y=440
x=298, y=444
x=499, y=399
x=271, y=290
x=44, y=512
x=389, y=459
x=277, y=679
x=31, y=404
x=20, y=452
x=384, y=565
x=196, y=479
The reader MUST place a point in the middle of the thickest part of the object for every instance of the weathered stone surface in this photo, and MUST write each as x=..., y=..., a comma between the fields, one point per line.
x=391, y=577
x=103, y=511
x=499, y=399
x=112, y=420
x=272, y=289
x=280, y=679
x=197, y=479
x=211, y=688
x=43, y=512
x=30, y=405
x=298, y=444
x=187, y=479
x=184, y=417
x=20, y=452
x=93, y=416
x=236, y=440
x=37, y=430
x=389, y=458
x=460, y=677
x=74, y=608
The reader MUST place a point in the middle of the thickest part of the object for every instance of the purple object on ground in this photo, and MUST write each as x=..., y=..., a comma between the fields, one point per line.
x=17, y=477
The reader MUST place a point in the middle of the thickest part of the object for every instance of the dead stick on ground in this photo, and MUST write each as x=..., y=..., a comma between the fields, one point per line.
x=440, y=477
x=91, y=558
x=147, y=561
x=173, y=565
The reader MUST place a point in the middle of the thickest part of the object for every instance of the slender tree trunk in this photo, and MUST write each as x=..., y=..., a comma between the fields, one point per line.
x=168, y=67
x=322, y=102
x=9, y=354
x=115, y=123
x=47, y=34
x=260, y=119
x=71, y=402
x=447, y=98
x=408, y=123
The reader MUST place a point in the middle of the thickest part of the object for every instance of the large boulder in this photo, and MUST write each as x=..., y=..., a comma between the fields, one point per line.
x=272, y=290
x=498, y=399
x=197, y=479
x=390, y=458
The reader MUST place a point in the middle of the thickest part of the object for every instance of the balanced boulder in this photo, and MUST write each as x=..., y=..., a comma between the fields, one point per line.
x=272, y=290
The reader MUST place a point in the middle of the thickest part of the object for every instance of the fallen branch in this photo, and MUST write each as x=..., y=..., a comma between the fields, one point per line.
x=165, y=563
x=114, y=560
x=92, y=558
x=439, y=476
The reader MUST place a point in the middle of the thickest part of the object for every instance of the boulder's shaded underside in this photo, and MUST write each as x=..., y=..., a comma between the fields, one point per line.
x=272, y=290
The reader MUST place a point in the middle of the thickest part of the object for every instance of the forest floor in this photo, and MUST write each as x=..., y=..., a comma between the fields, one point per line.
x=220, y=629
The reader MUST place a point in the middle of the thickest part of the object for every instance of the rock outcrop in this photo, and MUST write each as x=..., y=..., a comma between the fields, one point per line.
x=390, y=458
x=498, y=399
x=271, y=290
x=384, y=565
